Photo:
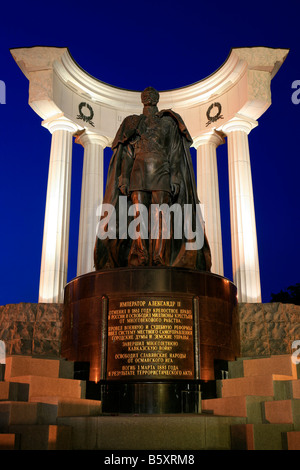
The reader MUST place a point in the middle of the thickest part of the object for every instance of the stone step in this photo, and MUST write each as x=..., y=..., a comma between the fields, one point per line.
x=260, y=436
x=71, y=406
x=281, y=365
x=2, y=371
x=28, y=365
x=184, y=432
x=50, y=386
x=158, y=432
x=45, y=410
x=283, y=411
x=42, y=436
x=276, y=386
x=13, y=412
x=293, y=440
x=14, y=391
x=8, y=441
x=249, y=407
x=295, y=385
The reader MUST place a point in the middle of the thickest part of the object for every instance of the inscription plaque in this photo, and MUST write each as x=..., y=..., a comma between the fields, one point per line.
x=150, y=338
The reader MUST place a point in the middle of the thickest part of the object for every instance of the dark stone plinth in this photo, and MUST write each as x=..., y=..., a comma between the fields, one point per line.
x=151, y=397
x=206, y=322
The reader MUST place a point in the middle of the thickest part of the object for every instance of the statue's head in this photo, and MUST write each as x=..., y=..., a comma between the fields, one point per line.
x=150, y=96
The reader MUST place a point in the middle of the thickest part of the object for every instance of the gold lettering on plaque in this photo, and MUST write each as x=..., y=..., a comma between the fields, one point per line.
x=150, y=338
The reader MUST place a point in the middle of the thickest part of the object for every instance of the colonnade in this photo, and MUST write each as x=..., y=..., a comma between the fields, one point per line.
x=54, y=261
x=245, y=262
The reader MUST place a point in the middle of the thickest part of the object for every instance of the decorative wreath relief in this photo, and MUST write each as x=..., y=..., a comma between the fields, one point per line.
x=214, y=117
x=85, y=117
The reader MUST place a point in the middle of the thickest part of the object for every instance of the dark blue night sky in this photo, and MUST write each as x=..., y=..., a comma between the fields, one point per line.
x=165, y=44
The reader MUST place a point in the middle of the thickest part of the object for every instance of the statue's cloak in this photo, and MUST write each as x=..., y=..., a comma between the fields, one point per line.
x=109, y=253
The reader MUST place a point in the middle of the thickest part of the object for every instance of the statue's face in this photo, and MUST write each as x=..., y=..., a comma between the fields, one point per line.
x=150, y=97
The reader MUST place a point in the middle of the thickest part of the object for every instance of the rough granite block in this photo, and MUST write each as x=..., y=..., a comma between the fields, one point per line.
x=28, y=328
x=268, y=328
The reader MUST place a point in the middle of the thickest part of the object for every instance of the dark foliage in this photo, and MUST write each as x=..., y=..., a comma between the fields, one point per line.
x=290, y=296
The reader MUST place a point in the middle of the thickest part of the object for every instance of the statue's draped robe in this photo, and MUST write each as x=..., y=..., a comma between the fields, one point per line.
x=111, y=253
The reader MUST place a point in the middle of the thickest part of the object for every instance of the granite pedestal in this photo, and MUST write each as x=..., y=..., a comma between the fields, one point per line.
x=154, y=338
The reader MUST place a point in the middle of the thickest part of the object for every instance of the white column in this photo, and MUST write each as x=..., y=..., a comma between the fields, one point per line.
x=54, y=264
x=242, y=215
x=91, y=198
x=208, y=193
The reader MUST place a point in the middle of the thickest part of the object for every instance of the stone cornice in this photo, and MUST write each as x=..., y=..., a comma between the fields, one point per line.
x=77, y=79
x=57, y=84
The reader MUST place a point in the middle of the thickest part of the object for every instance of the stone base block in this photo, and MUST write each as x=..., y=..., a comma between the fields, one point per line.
x=210, y=299
x=28, y=365
x=295, y=385
x=12, y=412
x=155, y=432
x=2, y=372
x=50, y=386
x=258, y=386
x=275, y=386
x=281, y=365
x=260, y=436
x=8, y=441
x=293, y=440
x=42, y=437
x=242, y=437
x=45, y=410
x=14, y=391
x=71, y=406
x=249, y=407
x=283, y=411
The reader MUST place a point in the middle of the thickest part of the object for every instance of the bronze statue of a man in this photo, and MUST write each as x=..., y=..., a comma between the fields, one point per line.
x=151, y=166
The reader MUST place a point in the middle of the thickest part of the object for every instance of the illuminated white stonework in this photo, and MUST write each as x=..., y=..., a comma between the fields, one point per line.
x=91, y=198
x=222, y=105
x=242, y=215
x=54, y=264
x=208, y=193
